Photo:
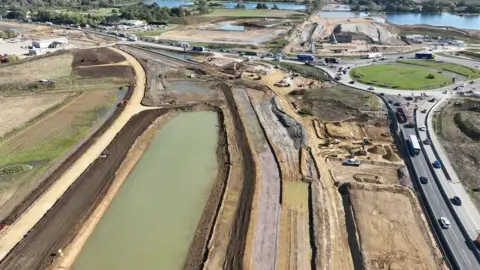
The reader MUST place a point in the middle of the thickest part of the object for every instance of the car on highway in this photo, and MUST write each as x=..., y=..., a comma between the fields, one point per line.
x=401, y=57
x=390, y=101
x=456, y=88
x=463, y=85
x=396, y=103
x=422, y=128
x=423, y=180
x=423, y=111
x=456, y=200
x=426, y=142
x=444, y=222
x=437, y=165
x=472, y=82
x=409, y=125
x=371, y=88
x=351, y=82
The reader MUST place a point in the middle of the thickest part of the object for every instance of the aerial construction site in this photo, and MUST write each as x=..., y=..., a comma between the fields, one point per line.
x=274, y=187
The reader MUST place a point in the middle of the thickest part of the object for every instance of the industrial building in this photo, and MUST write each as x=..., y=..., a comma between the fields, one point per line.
x=50, y=43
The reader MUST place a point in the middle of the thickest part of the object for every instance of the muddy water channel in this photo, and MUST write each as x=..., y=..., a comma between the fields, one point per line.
x=152, y=220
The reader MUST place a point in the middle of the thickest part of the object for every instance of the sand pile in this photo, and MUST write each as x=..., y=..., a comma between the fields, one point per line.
x=377, y=149
x=393, y=157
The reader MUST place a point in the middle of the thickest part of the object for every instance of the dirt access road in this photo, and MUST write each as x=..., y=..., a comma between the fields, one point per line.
x=32, y=216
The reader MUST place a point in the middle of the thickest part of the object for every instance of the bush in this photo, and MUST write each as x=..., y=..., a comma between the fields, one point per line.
x=305, y=111
x=13, y=58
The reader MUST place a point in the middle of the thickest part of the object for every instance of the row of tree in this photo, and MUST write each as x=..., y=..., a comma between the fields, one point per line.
x=431, y=6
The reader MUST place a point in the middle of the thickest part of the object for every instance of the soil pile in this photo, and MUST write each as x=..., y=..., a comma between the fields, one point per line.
x=393, y=157
x=377, y=149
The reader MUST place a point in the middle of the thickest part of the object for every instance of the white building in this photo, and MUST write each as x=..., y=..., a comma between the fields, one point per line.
x=135, y=23
x=48, y=43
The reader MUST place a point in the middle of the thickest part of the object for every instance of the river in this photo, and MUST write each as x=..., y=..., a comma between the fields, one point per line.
x=436, y=19
x=152, y=219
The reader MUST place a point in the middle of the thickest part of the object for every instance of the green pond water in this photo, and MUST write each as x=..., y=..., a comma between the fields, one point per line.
x=152, y=219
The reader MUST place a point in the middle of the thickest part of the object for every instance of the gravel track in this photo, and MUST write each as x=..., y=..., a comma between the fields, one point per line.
x=268, y=220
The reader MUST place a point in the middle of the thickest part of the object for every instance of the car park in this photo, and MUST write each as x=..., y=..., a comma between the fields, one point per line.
x=444, y=222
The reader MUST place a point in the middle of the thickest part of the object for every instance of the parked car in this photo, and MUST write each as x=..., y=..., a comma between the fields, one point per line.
x=437, y=164
x=444, y=222
x=456, y=200
x=423, y=180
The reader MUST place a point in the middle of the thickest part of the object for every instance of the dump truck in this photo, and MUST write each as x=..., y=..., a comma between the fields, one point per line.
x=305, y=57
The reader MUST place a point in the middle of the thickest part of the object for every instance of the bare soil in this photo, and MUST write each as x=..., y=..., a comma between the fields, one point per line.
x=388, y=236
x=366, y=173
x=17, y=111
x=119, y=71
x=94, y=57
x=457, y=135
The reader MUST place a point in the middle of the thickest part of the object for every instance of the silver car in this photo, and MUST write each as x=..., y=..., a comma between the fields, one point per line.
x=445, y=223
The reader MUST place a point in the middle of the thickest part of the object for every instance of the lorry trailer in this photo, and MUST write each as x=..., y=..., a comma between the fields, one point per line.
x=424, y=56
x=198, y=48
x=304, y=57
x=413, y=145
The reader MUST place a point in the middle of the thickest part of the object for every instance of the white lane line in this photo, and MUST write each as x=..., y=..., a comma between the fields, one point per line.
x=466, y=257
x=454, y=234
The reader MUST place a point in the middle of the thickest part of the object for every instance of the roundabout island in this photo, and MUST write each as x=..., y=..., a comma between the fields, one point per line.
x=413, y=74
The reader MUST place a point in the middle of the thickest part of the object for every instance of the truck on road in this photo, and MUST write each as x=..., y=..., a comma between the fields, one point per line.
x=371, y=56
x=413, y=145
x=198, y=48
x=305, y=57
x=424, y=56
x=332, y=60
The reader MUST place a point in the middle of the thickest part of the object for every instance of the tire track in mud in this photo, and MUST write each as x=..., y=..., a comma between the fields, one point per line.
x=267, y=228
x=61, y=223
x=238, y=237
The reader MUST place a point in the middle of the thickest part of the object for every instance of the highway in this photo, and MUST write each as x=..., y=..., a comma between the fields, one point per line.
x=458, y=245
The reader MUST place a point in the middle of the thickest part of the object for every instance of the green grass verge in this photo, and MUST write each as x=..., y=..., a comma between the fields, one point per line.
x=222, y=12
x=468, y=72
x=400, y=77
x=307, y=71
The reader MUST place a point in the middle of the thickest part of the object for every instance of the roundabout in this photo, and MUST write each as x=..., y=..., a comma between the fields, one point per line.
x=399, y=76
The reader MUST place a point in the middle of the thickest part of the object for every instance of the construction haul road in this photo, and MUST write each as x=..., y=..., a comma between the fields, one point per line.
x=56, y=229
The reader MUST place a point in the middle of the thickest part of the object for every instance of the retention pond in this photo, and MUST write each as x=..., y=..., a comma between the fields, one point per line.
x=152, y=219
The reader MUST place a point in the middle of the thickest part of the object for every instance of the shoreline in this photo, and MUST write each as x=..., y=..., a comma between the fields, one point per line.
x=133, y=156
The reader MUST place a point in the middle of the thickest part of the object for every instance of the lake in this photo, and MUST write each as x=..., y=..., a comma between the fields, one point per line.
x=435, y=19
x=230, y=4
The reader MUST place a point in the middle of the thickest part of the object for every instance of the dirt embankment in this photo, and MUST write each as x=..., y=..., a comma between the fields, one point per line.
x=238, y=237
x=58, y=227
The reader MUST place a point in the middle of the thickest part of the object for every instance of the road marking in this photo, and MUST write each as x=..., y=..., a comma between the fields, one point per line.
x=466, y=257
x=454, y=234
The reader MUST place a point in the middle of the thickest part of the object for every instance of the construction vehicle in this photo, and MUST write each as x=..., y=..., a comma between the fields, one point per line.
x=122, y=103
x=352, y=162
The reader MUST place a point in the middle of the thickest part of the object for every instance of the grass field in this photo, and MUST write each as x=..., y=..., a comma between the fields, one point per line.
x=400, y=77
x=306, y=71
x=251, y=13
x=455, y=68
